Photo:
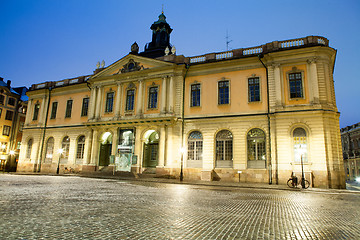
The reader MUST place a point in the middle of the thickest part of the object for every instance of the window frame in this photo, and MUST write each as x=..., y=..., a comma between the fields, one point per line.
x=85, y=106
x=153, y=97
x=11, y=99
x=68, y=110
x=219, y=92
x=260, y=146
x=81, y=144
x=65, y=145
x=109, y=103
x=54, y=106
x=6, y=130
x=196, y=93
x=294, y=72
x=254, y=91
x=195, y=149
x=294, y=157
x=224, y=144
x=2, y=99
x=9, y=115
x=49, y=149
x=36, y=112
x=127, y=109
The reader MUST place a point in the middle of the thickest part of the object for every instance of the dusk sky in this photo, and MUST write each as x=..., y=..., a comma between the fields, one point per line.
x=51, y=40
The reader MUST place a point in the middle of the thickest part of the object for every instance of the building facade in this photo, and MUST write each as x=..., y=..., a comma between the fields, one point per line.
x=260, y=112
x=350, y=138
x=13, y=104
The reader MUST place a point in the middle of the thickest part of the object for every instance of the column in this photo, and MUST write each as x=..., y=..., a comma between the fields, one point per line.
x=98, y=102
x=163, y=96
x=171, y=95
x=114, y=141
x=117, y=101
x=139, y=104
x=169, y=147
x=162, y=147
x=92, y=103
x=94, y=147
x=28, y=112
x=278, y=90
x=138, y=146
x=313, y=81
x=89, y=147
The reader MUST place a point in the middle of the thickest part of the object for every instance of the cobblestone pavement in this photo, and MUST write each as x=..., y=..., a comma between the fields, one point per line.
x=53, y=207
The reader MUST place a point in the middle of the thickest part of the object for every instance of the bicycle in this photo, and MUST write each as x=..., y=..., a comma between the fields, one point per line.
x=293, y=182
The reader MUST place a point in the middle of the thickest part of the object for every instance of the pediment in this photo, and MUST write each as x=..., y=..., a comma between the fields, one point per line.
x=131, y=63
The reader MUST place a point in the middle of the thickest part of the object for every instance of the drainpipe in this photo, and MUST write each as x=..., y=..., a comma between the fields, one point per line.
x=44, y=130
x=268, y=116
x=187, y=66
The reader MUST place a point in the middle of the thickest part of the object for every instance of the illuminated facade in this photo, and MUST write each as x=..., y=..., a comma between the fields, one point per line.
x=13, y=103
x=350, y=138
x=259, y=111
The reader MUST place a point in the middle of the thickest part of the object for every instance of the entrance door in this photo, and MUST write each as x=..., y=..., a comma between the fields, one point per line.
x=151, y=149
x=105, y=152
x=151, y=155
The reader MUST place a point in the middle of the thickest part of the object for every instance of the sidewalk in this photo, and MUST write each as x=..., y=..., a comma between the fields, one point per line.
x=352, y=187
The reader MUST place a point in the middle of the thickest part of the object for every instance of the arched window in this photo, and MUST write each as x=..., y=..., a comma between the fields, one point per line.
x=256, y=144
x=80, y=147
x=195, y=149
x=49, y=149
x=65, y=145
x=29, y=147
x=300, y=145
x=224, y=149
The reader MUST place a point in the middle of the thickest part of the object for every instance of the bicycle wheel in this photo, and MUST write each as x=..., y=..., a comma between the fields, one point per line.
x=290, y=183
x=307, y=184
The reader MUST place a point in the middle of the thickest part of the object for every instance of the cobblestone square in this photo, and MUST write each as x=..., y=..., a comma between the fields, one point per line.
x=55, y=207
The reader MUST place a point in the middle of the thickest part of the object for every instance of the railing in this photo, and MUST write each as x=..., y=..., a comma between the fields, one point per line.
x=251, y=51
x=224, y=55
x=198, y=59
x=292, y=43
x=266, y=48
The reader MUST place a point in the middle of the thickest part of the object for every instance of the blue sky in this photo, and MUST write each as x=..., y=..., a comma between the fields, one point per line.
x=49, y=40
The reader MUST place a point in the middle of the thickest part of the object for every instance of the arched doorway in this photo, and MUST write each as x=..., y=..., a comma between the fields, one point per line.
x=105, y=149
x=151, y=149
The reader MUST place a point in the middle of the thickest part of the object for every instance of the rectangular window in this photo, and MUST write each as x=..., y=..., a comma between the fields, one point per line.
x=109, y=102
x=11, y=101
x=68, y=108
x=0, y=111
x=6, y=130
x=254, y=89
x=18, y=145
x=153, y=97
x=130, y=97
x=85, y=107
x=223, y=92
x=53, y=110
x=195, y=95
x=2, y=99
x=9, y=115
x=36, y=112
x=295, y=83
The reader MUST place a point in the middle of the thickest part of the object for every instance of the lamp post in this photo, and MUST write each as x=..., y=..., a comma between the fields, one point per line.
x=302, y=168
x=60, y=151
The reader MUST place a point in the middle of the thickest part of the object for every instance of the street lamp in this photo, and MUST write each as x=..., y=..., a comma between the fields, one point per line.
x=302, y=167
x=60, y=151
x=182, y=151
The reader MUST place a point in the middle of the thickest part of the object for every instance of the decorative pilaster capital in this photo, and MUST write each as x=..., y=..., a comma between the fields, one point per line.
x=312, y=60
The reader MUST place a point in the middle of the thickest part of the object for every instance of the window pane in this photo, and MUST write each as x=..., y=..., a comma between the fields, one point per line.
x=109, y=102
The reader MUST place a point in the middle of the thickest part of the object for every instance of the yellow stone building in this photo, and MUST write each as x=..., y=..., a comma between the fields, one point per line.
x=250, y=115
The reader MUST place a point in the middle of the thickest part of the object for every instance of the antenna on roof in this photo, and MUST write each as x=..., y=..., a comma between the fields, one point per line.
x=227, y=40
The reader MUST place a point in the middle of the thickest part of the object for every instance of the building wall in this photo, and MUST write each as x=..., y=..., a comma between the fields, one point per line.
x=174, y=119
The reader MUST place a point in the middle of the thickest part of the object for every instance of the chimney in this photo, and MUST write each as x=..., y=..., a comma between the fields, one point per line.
x=8, y=83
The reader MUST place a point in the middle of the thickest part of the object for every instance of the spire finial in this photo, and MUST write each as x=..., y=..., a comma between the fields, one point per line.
x=162, y=8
